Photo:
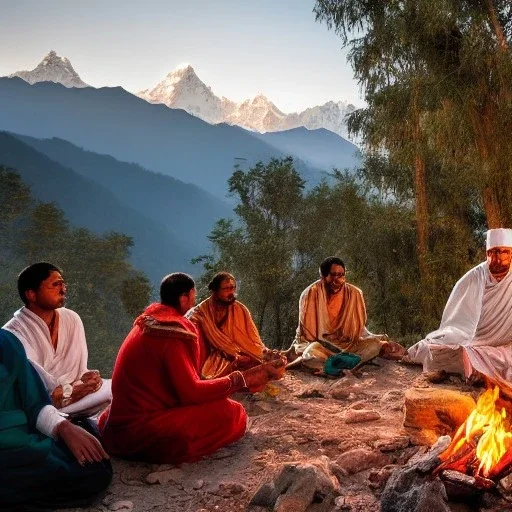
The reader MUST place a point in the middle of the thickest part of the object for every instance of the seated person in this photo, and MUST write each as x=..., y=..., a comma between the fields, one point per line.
x=161, y=410
x=332, y=319
x=45, y=461
x=229, y=333
x=475, y=335
x=54, y=340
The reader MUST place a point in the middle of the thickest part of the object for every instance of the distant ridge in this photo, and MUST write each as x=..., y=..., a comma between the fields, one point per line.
x=158, y=197
x=90, y=205
x=114, y=122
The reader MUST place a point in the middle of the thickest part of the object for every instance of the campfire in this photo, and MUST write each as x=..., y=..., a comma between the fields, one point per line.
x=480, y=453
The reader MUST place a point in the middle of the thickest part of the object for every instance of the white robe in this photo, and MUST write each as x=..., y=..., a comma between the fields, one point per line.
x=475, y=331
x=63, y=365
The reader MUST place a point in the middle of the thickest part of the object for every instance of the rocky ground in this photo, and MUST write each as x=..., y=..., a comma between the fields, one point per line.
x=353, y=426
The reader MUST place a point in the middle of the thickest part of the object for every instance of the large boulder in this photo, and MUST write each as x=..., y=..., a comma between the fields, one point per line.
x=434, y=412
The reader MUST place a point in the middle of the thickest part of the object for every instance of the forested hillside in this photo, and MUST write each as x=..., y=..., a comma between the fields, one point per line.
x=103, y=287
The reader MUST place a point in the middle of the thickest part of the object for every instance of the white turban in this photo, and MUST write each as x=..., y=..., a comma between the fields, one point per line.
x=501, y=237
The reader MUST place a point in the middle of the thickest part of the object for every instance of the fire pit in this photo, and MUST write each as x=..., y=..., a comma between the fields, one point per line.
x=482, y=447
x=474, y=468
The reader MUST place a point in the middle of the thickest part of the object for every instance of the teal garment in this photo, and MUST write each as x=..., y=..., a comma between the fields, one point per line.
x=22, y=396
x=35, y=470
x=334, y=365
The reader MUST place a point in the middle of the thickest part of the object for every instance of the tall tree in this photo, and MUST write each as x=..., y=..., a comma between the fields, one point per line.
x=461, y=50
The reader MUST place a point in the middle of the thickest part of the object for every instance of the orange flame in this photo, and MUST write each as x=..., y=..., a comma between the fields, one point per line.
x=488, y=428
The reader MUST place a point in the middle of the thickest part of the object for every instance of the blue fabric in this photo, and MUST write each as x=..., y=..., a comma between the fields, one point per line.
x=339, y=362
x=35, y=470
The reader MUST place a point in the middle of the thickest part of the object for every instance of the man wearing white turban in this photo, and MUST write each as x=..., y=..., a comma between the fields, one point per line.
x=475, y=334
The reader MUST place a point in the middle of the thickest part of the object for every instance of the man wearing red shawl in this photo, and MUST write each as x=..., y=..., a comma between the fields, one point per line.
x=161, y=410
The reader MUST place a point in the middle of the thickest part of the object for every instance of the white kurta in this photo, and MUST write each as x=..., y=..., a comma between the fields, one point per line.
x=63, y=365
x=475, y=331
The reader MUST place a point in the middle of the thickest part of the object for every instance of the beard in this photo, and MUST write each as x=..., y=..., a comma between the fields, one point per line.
x=334, y=288
x=496, y=268
x=228, y=300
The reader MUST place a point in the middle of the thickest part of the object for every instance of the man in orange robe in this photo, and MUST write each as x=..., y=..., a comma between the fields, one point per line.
x=161, y=411
x=231, y=338
x=332, y=317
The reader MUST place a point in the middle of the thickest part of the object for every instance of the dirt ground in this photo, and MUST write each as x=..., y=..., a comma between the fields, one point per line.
x=302, y=422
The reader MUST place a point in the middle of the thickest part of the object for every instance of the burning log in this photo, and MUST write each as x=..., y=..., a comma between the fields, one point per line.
x=460, y=461
x=482, y=446
x=503, y=467
x=462, y=479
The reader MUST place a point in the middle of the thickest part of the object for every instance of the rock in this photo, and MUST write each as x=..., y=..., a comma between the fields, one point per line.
x=162, y=477
x=412, y=488
x=133, y=476
x=297, y=486
x=121, y=505
x=361, y=459
x=229, y=489
x=356, y=503
x=392, y=444
x=198, y=484
x=378, y=477
x=311, y=393
x=392, y=396
x=432, y=412
x=407, y=491
x=361, y=415
x=359, y=405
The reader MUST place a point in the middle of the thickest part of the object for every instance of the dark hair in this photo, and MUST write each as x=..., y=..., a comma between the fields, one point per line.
x=173, y=286
x=325, y=266
x=30, y=278
x=214, y=284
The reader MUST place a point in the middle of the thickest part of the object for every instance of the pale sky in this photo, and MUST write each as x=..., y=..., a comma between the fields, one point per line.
x=238, y=47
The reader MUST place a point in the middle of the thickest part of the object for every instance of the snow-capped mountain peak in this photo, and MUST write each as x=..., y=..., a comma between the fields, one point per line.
x=182, y=88
x=52, y=69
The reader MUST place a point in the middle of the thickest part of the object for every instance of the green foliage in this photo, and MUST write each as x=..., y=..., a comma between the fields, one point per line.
x=103, y=288
x=283, y=232
x=436, y=76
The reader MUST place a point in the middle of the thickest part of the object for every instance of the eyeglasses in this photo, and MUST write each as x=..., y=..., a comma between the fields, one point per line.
x=337, y=274
x=498, y=252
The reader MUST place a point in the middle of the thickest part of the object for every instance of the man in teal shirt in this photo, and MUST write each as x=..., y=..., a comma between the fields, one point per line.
x=45, y=461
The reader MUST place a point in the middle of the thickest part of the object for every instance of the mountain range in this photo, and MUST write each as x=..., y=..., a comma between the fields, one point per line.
x=115, y=162
x=183, y=89
x=114, y=122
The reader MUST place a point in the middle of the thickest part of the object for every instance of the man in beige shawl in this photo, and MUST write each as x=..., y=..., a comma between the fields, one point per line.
x=231, y=338
x=332, y=318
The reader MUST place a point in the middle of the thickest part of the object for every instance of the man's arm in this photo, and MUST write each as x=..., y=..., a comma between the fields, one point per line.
x=84, y=446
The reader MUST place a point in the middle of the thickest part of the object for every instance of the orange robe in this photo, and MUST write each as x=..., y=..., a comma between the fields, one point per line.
x=161, y=410
x=236, y=335
x=339, y=320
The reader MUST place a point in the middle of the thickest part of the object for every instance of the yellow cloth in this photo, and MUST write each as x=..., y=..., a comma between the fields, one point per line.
x=339, y=320
x=236, y=336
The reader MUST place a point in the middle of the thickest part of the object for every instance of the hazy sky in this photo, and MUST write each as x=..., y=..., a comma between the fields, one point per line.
x=238, y=47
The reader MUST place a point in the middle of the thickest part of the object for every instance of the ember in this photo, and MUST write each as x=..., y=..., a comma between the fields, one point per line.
x=482, y=446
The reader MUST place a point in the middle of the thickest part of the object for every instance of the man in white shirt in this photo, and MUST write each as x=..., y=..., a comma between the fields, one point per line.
x=54, y=340
x=475, y=335
x=45, y=461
